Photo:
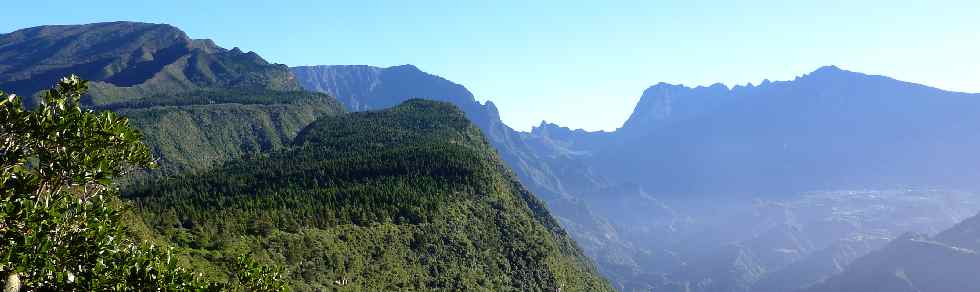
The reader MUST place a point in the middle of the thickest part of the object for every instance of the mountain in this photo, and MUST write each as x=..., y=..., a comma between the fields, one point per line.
x=915, y=262
x=128, y=59
x=830, y=129
x=702, y=189
x=408, y=198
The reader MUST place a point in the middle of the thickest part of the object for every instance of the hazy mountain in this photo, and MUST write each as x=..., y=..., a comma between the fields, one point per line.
x=947, y=262
x=362, y=88
x=408, y=198
x=830, y=129
x=706, y=153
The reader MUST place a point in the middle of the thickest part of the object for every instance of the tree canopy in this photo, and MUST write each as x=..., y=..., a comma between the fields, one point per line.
x=59, y=214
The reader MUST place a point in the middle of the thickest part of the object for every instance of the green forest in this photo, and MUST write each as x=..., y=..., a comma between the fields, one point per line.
x=410, y=198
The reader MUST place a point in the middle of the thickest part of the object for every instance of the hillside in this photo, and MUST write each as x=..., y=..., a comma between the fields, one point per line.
x=410, y=198
x=223, y=125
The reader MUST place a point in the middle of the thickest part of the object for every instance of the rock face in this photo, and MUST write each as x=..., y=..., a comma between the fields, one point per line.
x=665, y=104
x=362, y=88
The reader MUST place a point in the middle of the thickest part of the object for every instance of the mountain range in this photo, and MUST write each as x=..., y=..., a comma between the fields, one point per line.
x=831, y=128
x=816, y=183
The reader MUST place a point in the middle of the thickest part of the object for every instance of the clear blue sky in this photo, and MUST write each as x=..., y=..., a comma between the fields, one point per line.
x=581, y=64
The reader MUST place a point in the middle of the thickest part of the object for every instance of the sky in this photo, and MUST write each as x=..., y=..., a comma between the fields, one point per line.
x=581, y=64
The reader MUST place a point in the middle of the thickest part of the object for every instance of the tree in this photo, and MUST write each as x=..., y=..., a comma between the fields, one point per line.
x=59, y=217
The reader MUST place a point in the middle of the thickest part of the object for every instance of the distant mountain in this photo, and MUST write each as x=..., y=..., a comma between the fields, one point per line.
x=362, y=88
x=830, y=129
x=129, y=59
x=408, y=198
x=947, y=262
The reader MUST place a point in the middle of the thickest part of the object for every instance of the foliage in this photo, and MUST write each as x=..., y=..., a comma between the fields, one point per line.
x=216, y=96
x=59, y=218
x=256, y=277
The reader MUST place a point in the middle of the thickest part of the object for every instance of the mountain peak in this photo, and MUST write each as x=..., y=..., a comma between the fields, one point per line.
x=829, y=68
x=830, y=71
x=664, y=102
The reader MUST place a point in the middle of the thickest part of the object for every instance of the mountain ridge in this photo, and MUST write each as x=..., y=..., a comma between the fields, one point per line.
x=129, y=59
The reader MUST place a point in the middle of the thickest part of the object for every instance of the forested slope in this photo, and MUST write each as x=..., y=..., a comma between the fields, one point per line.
x=192, y=136
x=410, y=198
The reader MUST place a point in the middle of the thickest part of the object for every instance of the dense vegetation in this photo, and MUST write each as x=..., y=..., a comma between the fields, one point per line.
x=210, y=127
x=60, y=224
x=216, y=96
x=411, y=198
